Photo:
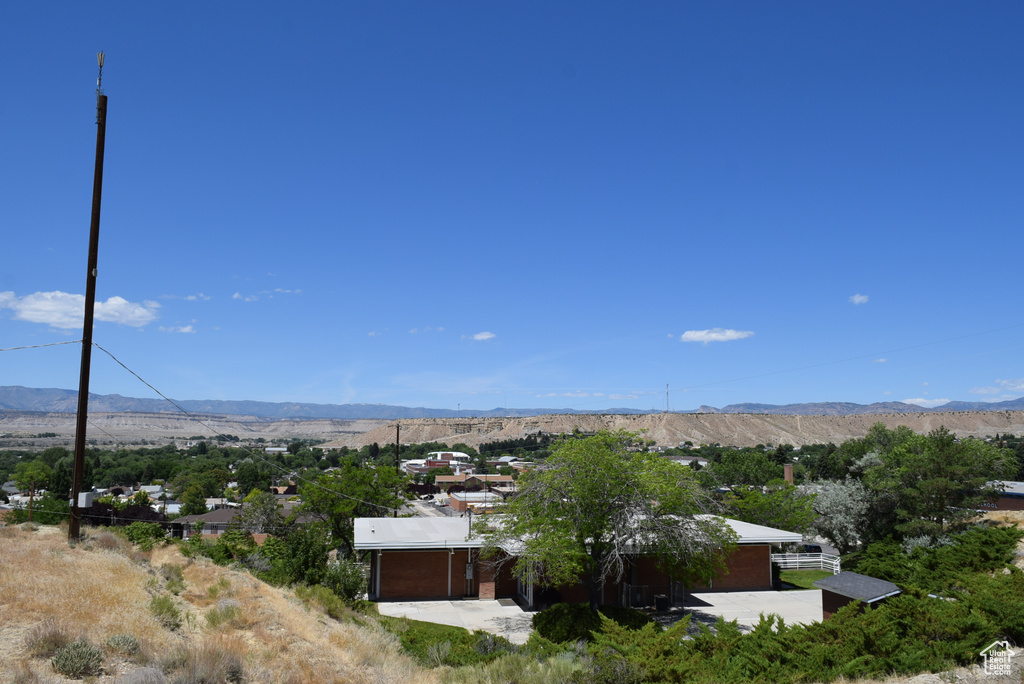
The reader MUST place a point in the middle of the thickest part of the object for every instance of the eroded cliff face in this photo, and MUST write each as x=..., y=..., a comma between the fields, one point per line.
x=700, y=428
x=734, y=429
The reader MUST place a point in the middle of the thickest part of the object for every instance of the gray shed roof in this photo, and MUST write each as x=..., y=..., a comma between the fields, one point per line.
x=856, y=586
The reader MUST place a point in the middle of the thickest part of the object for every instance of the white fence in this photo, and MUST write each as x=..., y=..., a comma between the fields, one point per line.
x=807, y=561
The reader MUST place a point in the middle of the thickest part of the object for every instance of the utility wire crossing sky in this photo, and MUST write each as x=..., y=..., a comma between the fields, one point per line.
x=520, y=205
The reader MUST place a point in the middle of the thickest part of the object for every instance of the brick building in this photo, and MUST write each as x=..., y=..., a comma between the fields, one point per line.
x=437, y=558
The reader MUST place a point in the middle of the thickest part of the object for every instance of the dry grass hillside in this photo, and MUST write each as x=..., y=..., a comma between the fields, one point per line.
x=232, y=627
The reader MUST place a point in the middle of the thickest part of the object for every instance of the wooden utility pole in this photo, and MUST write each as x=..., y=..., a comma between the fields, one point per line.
x=90, y=300
x=398, y=441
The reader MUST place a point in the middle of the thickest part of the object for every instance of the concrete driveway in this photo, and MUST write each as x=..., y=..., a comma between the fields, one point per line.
x=502, y=617
x=801, y=606
x=505, y=618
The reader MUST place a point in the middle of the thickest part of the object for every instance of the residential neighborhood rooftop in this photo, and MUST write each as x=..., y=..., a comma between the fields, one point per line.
x=414, y=533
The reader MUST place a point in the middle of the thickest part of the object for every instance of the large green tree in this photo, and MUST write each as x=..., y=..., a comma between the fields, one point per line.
x=596, y=505
x=193, y=501
x=903, y=485
x=261, y=514
x=778, y=504
x=939, y=481
x=352, y=491
x=749, y=467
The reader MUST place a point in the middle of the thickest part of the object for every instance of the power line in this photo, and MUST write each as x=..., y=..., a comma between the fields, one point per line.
x=246, y=449
x=40, y=346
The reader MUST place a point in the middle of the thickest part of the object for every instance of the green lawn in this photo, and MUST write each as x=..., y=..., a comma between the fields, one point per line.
x=803, y=579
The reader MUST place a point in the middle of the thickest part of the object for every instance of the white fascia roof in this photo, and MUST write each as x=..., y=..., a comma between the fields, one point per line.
x=415, y=533
x=749, y=533
x=454, y=533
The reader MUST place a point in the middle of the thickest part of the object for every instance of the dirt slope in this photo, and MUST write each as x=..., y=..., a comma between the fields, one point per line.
x=103, y=587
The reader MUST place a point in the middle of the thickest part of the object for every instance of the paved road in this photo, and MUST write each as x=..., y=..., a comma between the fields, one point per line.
x=507, y=619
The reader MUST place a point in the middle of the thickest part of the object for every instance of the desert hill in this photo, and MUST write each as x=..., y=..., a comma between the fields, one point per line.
x=103, y=587
x=20, y=429
x=672, y=429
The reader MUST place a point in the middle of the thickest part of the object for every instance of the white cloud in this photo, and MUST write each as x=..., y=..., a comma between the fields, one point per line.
x=587, y=395
x=927, y=403
x=188, y=298
x=67, y=311
x=248, y=298
x=714, y=335
x=858, y=299
x=483, y=336
x=373, y=333
x=880, y=360
x=1002, y=386
x=179, y=329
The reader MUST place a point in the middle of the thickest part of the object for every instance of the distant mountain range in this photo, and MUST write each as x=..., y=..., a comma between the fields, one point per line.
x=66, y=401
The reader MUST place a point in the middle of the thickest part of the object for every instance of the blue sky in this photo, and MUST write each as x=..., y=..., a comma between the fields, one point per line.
x=520, y=204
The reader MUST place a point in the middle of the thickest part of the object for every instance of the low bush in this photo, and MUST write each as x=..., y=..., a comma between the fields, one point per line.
x=434, y=645
x=123, y=644
x=44, y=639
x=163, y=609
x=48, y=509
x=77, y=659
x=347, y=579
x=226, y=612
x=222, y=585
x=175, y=576
x=332, y=604
x=105, y=541
x=207, y=663
x=145, y=535
x=565, y=622
x=518, y=668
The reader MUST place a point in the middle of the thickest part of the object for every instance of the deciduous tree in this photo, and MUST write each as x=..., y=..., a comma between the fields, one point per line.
x=260, y=514
x=597, y=504
x=778, y=504
x=352, y=491
x=939, y=480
